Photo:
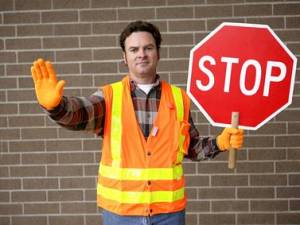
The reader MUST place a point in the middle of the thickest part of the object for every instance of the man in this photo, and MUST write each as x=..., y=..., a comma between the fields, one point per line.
x=146, y=128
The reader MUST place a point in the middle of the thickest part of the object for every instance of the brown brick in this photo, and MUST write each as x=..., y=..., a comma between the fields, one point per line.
x=192, y=180
x=294, y=179
x=288, y=218
x=79, y=208
x=211, y=219
x=7, y=57
x=34, y=30
x=26, y=146
x=64, y=158
x=108, y=28
x=292, y=22
x=191, y=219
x=16, y=69
x=108, y=54
x=67, y=68
x=257, y=218
x=8, y=134
x=26, y=121
x=178, y=39
x=252, y=10
x=69, y=195
x=60, y=42
x=288, y=115
x=82, y=182
x=39, y=158
x=4, y=172
x=179, y=52
x=173, y=12
x=41, y=208
x=213, y=11
x=90, y=195
x=230, y=206
x=108, y=3
x=23, y=43
x=28, y=196
x=229, y=180
x=4, y=196
x=173, y=65
x=17, y=95
x=272, y=128
x=31, y=56
x=9, y=184
x=59, y=220
x=294, y=205
x=253, y=193
x=98, y=15
x=93, y=220
x=61, y=171
x=216, y=193
x=103, y=80
x=191, y=193
x=65, y=4
x=288, y=166
x=10, y=209
x=287, y=9
x=288, y=192
x=259, y=141
x=187, y=25
x=287, y=141
x=72, y=29
x=22, y=220
x=99, y=67
x=98, y=41
x=30, y=108
x=255, y=167
x=31, y=5
x=268, y=180
x=74, y=55
x=28, y=171
x=19, y=17
x=8, y=159
x=136, y=14
x=269, y=205
x=197, y=206
x=267, y=154
x=6, y=5
x=63, y=145
x=293, y=154
x=59, y=16
x=7, y=31
x=147, y=3
x=40, y=183
x=8, y=83
x=38, y=133
x=277, y=22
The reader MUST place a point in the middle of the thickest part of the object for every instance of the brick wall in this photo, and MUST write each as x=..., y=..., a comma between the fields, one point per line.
x=48, y=174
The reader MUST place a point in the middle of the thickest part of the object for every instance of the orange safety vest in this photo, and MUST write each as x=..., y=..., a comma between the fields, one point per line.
x=137, y=176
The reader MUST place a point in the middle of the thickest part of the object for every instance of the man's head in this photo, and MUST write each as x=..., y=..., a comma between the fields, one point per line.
x=140, y=42
x=140, y=26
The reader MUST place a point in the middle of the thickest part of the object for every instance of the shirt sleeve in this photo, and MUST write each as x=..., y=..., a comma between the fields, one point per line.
x=80, y=113
x=201, y=148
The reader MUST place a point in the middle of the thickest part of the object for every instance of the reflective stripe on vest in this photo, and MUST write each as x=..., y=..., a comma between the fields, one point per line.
x=134, y=197
x=180, y=113
x=116, y=132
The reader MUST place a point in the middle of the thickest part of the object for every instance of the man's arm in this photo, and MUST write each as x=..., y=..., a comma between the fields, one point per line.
x=202, y=148
x=73, y=113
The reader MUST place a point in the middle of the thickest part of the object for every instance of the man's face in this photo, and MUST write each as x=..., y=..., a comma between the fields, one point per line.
x=141, y=56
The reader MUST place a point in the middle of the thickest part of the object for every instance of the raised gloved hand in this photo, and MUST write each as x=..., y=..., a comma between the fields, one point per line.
x=48, y=90
x=230, y=138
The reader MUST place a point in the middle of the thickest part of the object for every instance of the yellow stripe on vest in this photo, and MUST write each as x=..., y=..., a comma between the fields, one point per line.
x=174, y=173
x=134, y=197
x=180, y=113
x=116, y=123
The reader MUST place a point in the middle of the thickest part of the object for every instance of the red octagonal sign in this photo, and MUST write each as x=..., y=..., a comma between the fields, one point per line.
x=241, y=68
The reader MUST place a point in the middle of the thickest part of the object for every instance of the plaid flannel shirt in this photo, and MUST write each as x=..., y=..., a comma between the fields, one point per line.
x=87, y=113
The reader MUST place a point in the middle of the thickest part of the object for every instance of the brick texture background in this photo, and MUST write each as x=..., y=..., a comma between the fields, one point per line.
x=48, y=174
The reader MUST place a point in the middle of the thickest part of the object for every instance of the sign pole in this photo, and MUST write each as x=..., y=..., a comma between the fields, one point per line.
x=232, y=151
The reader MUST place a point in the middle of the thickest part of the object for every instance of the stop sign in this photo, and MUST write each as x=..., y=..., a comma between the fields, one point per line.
x=241, y=68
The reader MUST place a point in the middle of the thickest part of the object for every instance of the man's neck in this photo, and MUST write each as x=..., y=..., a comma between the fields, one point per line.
x=143, y=79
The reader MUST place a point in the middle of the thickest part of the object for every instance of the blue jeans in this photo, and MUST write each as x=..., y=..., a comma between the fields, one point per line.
x=177, y=218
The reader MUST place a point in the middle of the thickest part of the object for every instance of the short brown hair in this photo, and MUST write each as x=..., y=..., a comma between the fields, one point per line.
x=139, y=26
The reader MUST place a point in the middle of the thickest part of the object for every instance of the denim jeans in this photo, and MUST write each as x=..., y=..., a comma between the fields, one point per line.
x=177, y=218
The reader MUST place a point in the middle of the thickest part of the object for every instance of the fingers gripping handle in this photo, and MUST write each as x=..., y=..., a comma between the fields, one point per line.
x=232, y=151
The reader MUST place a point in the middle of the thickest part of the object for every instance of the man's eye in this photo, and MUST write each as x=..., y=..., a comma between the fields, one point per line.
x=133, y=50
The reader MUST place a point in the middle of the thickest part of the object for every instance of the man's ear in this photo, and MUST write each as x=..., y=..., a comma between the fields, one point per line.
x=124, y=58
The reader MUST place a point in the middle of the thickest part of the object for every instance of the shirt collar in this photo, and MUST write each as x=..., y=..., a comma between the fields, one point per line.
x=133, y=84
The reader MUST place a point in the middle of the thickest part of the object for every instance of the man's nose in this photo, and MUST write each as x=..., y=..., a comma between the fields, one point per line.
x=142, y=53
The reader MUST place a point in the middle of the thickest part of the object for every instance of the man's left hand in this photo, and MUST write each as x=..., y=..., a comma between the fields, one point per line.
x=230, y=138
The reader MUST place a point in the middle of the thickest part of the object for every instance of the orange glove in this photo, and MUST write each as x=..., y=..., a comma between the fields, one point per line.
x=48, y=90
x=230, y=137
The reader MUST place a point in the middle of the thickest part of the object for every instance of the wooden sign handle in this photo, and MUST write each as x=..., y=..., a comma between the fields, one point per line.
x=232, y=151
